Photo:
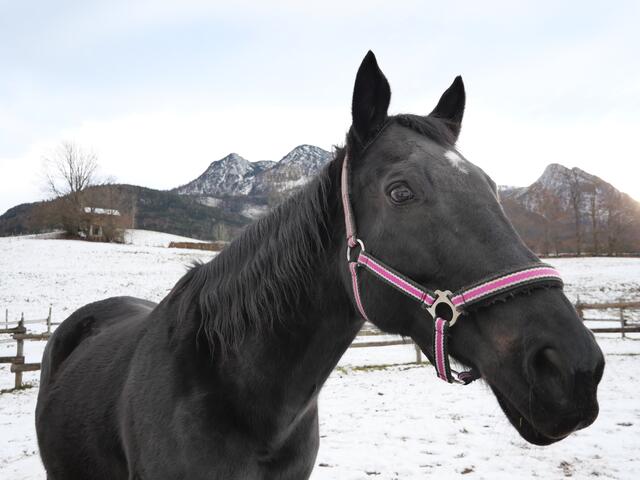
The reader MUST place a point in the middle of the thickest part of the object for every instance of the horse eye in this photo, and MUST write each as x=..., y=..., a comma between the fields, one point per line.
x=401, y=194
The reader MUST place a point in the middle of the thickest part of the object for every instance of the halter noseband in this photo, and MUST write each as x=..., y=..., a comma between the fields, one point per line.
x=482, y=292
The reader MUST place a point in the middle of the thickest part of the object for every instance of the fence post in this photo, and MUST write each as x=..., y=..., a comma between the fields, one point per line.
x=20, y=352
x=579, y=309
x=49, y=320
x=6, y=318
x=418, y=353
x=622, y=322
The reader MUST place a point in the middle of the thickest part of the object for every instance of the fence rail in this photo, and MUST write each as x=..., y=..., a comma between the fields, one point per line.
x=19, y=334
x=622, y=307
x=46, y=320
x=364, y=339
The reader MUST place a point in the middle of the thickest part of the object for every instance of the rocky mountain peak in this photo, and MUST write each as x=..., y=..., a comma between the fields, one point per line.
x=233, y=157
x=553, y=177
x=235, y=176
x=305, y=154
x=232, y=162
x=221, y=178
x=557, y=177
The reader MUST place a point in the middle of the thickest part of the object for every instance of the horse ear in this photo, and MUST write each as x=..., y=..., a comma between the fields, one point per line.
x=451, y=106
x=371, y=95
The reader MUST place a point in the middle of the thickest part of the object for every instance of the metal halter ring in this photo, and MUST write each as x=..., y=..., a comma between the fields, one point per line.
x=444, y=298
x=360, y=242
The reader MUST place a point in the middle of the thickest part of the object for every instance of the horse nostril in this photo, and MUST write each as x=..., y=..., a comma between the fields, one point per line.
x=545, y=364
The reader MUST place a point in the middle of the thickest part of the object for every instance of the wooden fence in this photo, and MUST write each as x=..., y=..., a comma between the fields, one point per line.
x=622, y=317
x=47, y=320
x=364, y=339
x=212, y=246
x=370, y=331
x=19, y=334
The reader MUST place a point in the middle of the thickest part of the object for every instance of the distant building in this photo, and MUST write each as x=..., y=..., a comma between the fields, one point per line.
x=103, y=224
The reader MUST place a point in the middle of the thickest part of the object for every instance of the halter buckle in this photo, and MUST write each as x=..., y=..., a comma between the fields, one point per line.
x=444, y=297
x=349, y=248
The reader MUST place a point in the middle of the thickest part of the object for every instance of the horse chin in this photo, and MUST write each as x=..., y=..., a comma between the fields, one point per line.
x=521, y=423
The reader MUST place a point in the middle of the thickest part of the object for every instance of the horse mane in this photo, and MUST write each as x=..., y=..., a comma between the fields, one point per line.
x=265, y=271
x=263, y=274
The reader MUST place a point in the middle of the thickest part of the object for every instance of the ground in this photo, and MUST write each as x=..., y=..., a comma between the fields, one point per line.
x=380, y=416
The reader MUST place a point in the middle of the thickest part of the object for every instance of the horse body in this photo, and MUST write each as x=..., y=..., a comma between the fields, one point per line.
x=152, y=406
x=220, y=380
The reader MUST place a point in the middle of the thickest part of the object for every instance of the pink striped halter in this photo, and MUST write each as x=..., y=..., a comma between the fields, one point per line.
x=479, y=293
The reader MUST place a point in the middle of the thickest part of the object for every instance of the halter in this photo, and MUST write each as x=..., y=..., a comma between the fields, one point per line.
x=457, y=303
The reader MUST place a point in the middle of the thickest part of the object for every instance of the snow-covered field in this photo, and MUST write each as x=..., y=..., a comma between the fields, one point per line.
x=378, y=420
x=149, y=238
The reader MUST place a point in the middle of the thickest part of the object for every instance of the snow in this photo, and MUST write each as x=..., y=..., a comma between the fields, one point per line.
x=149, y=238
x=210, y=201
x=291, y=184
x=101, y=211
x=55, y=234
x=255, y=211
x=379, y=416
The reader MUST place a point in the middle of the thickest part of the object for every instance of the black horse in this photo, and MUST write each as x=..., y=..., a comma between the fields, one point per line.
x=220, y=380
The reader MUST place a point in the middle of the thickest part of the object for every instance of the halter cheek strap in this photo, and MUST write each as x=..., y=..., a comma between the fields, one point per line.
x=482, y=292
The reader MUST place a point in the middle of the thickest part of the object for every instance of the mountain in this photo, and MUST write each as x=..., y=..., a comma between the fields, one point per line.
x=230, y=176
x=249, y=189
x=569, y=210
x=234, y=176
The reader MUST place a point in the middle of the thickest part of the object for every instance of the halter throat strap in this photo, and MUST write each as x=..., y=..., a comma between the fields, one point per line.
x=482, y=292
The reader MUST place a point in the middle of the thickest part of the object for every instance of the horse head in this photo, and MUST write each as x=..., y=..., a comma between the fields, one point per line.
x=430, y=213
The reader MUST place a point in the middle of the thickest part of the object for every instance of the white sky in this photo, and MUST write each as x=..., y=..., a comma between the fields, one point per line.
x=160, y=89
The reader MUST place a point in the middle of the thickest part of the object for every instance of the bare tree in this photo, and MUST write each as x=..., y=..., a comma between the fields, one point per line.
x=68, y=172
x=572, y=177
x=594, y=215
x=547, y=207
x=221, y=232
x=619, y=217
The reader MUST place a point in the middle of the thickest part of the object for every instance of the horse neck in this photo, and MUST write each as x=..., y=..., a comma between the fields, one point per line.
x=287, y=348
x=303, y=255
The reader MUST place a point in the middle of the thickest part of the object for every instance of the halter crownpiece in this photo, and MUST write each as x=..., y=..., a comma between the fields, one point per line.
x=482, y=292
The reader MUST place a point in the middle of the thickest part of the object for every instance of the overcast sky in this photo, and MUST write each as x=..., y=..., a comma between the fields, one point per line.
x=160, y=89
